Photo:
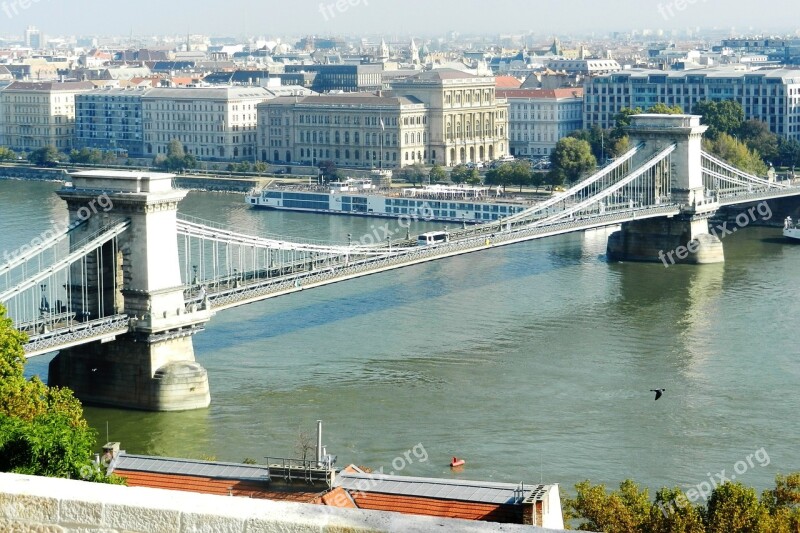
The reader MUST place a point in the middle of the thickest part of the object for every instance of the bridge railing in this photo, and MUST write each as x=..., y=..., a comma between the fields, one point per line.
x=234, y=296
x=75, y=333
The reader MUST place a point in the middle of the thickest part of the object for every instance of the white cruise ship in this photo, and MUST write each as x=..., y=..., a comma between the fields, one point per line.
x=446, y=203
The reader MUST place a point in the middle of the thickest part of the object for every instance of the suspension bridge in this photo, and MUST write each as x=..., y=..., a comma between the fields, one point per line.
x=121, y=292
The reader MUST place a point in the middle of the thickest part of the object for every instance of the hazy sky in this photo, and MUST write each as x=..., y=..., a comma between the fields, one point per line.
x=326, y=17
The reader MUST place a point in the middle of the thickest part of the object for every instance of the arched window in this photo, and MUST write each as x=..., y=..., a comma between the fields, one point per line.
x=357, y=138
x=347, y=154
x=358, y=155
x=337, y=138
x=405, y=138
x=347, y=137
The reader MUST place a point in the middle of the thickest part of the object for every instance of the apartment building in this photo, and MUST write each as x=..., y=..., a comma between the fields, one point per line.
x=34, y=115
x=443, y=116
x=110, y=119
x=771, y=96
x=213, y=123
x=539, y=118
x=353, y=130
x=467, y=121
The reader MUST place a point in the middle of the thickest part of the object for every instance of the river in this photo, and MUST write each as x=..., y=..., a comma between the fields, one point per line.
x=533, y=362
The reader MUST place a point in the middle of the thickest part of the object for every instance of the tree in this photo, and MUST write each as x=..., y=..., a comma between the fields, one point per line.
x=573, y=157
x=304, y=444
x=733, y=507
x=42, y=429
x=437, y=174
x=623, y=511
x=7, y=154
x=789, y=153
x=415, y=173
x=460, y=173
x=500, y=175
x=756, y=135
x=721, y=117
x=736, y=153
x=260, y=167
x=328, y=170
x=176, y=158
x=520, y=174
x=47, y=156
x=663, y=109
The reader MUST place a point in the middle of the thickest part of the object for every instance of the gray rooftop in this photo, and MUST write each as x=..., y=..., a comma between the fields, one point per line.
x=443, y=489
x=216, y=93
x=189, y=467
x=785, y=74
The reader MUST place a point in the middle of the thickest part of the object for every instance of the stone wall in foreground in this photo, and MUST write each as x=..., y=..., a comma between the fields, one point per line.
x=46, y=505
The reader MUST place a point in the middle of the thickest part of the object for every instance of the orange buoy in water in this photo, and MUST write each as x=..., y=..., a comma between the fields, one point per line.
x=457, y=462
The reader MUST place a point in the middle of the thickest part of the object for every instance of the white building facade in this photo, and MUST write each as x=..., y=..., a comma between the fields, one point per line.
x=539, y=118
x=34, y=115
x=212, y=123
x=771, y=96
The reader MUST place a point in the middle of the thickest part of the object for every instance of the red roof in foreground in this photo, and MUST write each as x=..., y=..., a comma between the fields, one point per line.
x=487, y=512
x=207, y=485
x=507, y=82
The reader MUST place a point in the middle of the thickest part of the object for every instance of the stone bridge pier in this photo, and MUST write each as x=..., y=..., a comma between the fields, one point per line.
x=138, y=274
x=684, y=238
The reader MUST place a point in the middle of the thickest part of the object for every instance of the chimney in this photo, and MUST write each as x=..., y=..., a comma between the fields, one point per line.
x=319, y=442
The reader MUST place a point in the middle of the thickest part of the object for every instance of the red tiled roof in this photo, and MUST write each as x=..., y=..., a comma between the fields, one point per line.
x=507, y=82
x=572, y=92
x=206, y=485
x=439, y=508
x=338, y=497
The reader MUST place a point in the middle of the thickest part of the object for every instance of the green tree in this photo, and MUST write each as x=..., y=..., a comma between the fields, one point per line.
x=260, y=167
x=42, y=429
x=176, y=159
x=555, y=178
x=673, y=513
x=734, y=507
x=624, y=511
x=573, y=157
x=6, y=154
x=415, y=173
x=502, y=175
x=789, y=153
x=460, y=173
x=756, y=135
x=328, y=170
x=47, y=156
x=721, y=117
x=437, y=174
x=521, y=174
x=663, y=109
x=474, y=177
x=736, y=153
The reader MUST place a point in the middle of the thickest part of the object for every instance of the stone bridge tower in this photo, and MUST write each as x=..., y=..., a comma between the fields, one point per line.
x=685, y=236
x=153, y=366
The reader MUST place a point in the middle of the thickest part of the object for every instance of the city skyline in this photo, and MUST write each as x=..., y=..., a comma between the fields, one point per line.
x=329, y=17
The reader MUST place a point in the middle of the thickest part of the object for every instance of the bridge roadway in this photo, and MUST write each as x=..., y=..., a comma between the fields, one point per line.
x=474, y=241
x=465, y=241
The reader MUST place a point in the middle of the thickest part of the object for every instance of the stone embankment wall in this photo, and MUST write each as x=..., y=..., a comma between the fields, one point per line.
x=36, y=504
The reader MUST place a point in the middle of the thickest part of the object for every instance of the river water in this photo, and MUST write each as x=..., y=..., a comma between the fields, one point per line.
x=533, y=361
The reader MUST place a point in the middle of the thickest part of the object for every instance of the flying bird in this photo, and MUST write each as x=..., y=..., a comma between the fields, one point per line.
x=658, y=392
